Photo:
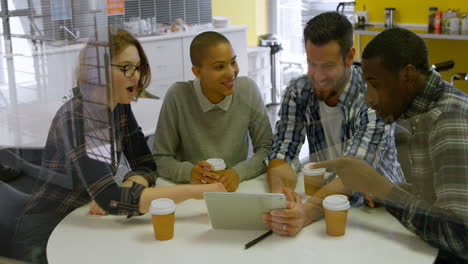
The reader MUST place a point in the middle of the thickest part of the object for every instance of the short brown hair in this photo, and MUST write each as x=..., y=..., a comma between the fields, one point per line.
x=327, y=27
x=119, y=39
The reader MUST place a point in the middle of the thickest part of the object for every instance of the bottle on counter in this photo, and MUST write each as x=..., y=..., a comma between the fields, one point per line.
x=389, y=16
x=438, y=22
x=464, y=24
x=432, y=11
x=446, y=17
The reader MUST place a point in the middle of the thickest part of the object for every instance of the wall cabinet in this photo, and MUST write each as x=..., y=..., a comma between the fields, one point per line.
x=260, y=70
x=165, y=59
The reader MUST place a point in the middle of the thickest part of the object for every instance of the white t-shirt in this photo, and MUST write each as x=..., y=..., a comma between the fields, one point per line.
x=331, y=118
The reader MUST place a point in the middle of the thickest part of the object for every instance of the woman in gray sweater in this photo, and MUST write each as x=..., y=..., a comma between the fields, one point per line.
x=212, y=116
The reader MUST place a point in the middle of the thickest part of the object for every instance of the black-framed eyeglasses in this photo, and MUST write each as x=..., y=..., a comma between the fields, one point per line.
x=130, y=69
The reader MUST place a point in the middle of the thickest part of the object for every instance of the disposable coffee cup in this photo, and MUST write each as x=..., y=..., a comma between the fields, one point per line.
x=336, y=210
x=313, y=178
x=163, y=216
x=218, y=164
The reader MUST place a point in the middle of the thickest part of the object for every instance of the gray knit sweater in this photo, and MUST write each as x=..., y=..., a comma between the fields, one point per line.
x=186, y=134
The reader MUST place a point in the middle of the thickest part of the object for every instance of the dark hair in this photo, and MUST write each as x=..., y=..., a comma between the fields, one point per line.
x=119, y=39
x=202, y=42
x=398, y=47
x=327, y=27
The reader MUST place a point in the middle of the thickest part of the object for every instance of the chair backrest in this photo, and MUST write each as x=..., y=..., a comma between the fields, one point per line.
x=27, y=160
x=443, y=66
x=30, y=155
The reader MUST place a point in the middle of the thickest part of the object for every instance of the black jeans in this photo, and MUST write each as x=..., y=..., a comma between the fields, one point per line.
x=444, y=257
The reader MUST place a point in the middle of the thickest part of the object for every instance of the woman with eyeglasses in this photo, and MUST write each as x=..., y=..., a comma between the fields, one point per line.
x=88, y=138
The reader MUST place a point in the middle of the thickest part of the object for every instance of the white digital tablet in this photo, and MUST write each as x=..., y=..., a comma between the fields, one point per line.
x=241, y=210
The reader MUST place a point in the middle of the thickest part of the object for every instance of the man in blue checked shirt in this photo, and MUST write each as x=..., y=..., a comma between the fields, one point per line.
x=434, y=116
x=328, y=106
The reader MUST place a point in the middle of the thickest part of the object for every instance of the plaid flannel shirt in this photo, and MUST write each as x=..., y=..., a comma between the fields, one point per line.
x=363, y=135
x=437, y=208
x=82, y=154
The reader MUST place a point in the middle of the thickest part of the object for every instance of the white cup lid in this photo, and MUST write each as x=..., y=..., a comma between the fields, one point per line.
x=307, y=170
x=162, y=206
x=336, y=202
x=218, y=164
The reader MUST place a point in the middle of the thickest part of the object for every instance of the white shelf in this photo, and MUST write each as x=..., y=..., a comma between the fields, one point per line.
x=419, y=29
x=376, y=30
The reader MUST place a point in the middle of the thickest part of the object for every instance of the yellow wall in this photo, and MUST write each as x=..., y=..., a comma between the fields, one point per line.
x=416, y=12
x=251, y=13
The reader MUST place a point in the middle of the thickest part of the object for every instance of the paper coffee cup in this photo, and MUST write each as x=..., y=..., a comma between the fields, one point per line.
x=336, y=210
x=163, y=216
x=218, y=164
x=313, y=178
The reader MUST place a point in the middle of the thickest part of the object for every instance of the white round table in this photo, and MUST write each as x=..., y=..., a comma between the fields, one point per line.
x=372, y=236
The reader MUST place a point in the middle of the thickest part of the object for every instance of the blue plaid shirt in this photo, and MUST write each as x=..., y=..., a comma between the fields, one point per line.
x=363, y=135
x=436, y=208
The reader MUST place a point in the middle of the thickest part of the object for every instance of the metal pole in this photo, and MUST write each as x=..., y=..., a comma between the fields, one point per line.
x=273, y=16
x=274, y=89
x=2, y=76
x=9, y=54
x=35, y=55
x=11, y=74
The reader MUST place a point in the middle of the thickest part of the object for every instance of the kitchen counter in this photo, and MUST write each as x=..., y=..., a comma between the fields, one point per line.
x=168, y=55
x=63, y=46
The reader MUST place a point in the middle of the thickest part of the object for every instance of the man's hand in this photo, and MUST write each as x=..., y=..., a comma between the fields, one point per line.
x=289, y=221
x=201, y=173
x=280, y=175
x=369, y=201
x=357, y=175
x=94, y=209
